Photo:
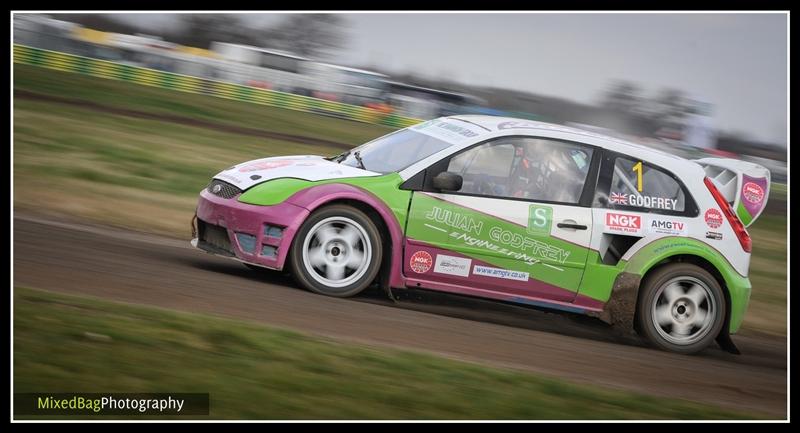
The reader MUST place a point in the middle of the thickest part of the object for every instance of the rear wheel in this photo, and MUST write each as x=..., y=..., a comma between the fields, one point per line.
x=681, y=308
x=336, y=252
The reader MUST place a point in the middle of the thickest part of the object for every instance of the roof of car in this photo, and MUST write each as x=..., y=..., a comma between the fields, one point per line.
x=490, y=124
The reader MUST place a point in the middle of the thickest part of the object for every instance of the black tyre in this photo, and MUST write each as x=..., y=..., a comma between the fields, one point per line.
x=681, y=308
x=336, y=252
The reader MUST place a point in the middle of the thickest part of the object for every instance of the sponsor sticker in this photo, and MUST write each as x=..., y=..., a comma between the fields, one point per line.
x=265, y=165
x=471, y=231
x=713, y=218
x=644, y=201
x=753, y=192
x=714, y=235
x=666, y=226
x=505, y=274
x=452, y=265
x=539, y=219
x=517, y=124
x=623, y=223
x=675, y=245
x=421, y=262
x=447, y=131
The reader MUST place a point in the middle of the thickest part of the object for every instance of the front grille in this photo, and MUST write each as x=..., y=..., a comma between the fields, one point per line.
x=222, y=189
x=213, y=238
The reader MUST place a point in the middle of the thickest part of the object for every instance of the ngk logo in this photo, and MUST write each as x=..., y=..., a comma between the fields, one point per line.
x=617, y=222
x=753, y=192
x=420, y=262
x=713, y=218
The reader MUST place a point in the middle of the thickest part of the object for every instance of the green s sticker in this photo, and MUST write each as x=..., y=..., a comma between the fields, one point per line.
x=539, y=218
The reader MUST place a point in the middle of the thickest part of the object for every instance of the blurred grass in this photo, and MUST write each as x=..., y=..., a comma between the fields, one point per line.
x=254, y=372
x=778, y=190
x=146, y=174
x=154, y=100
x=768, y=275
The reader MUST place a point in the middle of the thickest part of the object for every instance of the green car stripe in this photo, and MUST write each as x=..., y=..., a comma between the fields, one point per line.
x=744, y=215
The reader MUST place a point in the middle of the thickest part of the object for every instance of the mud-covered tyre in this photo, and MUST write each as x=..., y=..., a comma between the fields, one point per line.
x=681, y=308
x=336, y=252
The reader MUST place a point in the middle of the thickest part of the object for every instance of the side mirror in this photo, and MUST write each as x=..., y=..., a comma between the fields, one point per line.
x=447, y=181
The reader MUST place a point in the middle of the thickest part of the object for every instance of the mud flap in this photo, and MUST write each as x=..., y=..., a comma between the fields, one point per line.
x=724, y=337
x=194, y=225
x=388, y=290
x=620, y=310
x=386, y=270
x=384, y=280
x=726, y=343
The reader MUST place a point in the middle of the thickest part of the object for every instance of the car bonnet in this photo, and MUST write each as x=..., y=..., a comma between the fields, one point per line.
x=306, y=167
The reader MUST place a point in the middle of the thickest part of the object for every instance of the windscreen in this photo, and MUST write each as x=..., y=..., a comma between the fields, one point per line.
x=396, y=151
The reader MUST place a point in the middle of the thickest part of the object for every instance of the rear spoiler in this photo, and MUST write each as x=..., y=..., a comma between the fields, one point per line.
x=743, y=184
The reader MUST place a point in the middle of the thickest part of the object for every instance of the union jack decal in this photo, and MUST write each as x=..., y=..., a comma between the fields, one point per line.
x=618, y=198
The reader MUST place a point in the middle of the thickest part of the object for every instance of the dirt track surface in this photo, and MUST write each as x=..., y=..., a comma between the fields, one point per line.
x=145, y=269
x=183, y=120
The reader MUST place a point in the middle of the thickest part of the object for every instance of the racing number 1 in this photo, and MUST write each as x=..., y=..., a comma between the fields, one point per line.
x=638, y=169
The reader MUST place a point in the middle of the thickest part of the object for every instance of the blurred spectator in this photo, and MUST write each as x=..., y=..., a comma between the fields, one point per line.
x=698, y=131
x=380, y=106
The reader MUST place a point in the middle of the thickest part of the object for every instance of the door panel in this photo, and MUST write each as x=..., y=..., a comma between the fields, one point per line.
x=511, y=246
x=514, y=227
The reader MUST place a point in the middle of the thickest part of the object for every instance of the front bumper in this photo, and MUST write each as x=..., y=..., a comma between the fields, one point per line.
x=260, y=235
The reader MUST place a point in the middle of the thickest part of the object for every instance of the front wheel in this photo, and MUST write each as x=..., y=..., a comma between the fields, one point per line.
x=336, y=252
x=681, y=308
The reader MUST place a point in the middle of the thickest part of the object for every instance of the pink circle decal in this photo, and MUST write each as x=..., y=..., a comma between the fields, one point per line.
x=421, y=262
x=753, y=193
x=713, y=218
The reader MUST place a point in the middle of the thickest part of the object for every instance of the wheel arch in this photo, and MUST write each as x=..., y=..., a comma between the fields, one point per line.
x=698, y=261
x=664, y=251
x=621, y=308
x=391, y=231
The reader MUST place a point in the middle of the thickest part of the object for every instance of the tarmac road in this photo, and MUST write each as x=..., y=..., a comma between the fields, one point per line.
x=146, y=269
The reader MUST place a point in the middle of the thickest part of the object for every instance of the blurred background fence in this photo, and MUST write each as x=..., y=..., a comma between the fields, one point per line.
x=184, y=83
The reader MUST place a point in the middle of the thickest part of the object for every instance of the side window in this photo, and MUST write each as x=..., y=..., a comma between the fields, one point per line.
x=485, y=169
x=526, y=168
x=635, y=185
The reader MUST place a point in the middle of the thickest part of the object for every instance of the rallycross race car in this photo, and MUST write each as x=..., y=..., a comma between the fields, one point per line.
x=506, y=209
